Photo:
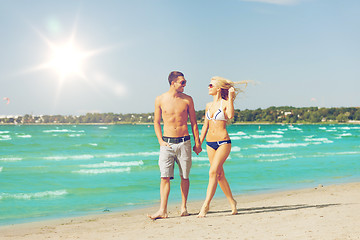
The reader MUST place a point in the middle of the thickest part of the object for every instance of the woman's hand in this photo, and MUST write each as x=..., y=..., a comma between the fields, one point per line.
x=231, y=93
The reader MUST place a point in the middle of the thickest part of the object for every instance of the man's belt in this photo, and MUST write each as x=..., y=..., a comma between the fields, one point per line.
x=176, y=140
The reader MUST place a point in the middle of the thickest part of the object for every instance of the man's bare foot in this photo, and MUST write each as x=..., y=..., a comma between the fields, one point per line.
x=234, y=210
x=184, y=213
x=158, y=215
x=204, y=210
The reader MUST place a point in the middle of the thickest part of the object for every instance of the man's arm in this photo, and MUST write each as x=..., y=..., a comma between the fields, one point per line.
x=157, y=122
x=194, y=127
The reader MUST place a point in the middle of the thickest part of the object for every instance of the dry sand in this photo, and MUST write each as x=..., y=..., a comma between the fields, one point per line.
x=329, y=212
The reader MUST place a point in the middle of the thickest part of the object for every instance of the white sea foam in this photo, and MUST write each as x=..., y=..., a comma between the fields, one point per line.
x=117, y=155
x=1, y=168
x=322, y=128
x=75, y=135
x=200, y=158
x=75, y=157
x=276, y=159
x=10, y=159
x=282, y=145
x=278, y=132
x=28, y=196
x=235, y=149
x=93, y=144
x=5, y=137
x=238, y=133
x=107, y=164
x=2, y=132
x=318, y=140
x=273, y=154
x=63, y=131
x=24, y=136
x=236, y=138
x=345, y=135
x=267, y=136
x=103, y=127
x=273, y=141
x=295, y=128
x=102, y=170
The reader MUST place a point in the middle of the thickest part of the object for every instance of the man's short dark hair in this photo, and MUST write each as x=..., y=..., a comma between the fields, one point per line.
x=174, y=75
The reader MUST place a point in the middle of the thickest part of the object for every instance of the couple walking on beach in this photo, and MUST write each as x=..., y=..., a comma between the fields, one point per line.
x=175, y=107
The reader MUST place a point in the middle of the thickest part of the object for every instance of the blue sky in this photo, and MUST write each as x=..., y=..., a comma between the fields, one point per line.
x=300, y=52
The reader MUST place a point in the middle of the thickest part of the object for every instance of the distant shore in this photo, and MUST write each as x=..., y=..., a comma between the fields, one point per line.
x=321, y=212
x=151, y=123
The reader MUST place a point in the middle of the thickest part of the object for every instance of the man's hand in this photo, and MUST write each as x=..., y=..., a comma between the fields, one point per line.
x=197, y=149
x=163, y=143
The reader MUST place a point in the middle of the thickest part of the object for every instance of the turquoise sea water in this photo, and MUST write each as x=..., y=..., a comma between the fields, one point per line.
x=57, y=171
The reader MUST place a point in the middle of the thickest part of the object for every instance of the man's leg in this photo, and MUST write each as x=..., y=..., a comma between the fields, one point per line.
x=185, y=184
x=164, y=196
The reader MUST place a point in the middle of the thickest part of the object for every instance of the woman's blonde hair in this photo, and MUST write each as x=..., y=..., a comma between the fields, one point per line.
x=225, y=84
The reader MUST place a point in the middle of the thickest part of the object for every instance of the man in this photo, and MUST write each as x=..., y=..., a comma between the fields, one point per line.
x=174, y=107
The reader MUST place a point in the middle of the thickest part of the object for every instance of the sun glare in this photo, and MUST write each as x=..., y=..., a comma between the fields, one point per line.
x=67, y=60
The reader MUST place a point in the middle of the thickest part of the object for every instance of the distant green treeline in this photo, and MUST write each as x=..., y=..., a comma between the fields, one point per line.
x=269, y=115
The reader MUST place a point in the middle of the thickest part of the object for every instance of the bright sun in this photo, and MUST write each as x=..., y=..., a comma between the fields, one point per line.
x=67, y=60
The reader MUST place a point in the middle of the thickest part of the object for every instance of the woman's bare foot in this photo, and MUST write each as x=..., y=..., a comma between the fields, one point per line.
x=158, y=215
x=204, y=210
x=234, y=210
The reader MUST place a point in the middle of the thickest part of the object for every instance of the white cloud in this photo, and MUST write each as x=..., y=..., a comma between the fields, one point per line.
x=278, y=2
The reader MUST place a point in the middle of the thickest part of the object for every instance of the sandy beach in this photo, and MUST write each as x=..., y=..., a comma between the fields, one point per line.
x=322, y=212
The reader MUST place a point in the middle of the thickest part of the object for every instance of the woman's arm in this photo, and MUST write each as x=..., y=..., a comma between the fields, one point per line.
x=205, y=127
x=230, y=104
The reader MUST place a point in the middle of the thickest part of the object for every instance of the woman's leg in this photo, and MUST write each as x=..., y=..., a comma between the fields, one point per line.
x=217, y=159
x=225, y=187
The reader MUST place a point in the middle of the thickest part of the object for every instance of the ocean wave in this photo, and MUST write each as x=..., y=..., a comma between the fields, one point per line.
x=273, y=141
x=276, y=159
x=345, y=135
x=273, y=154
x=2, y=132
x=200, y=159
x=5, y=137
x=103, y=127
x=24, y=136
x=281, y=145
x=116, y=155
x=102, y=170
x=28, y=196
x=267, y=136
x=237, y=134
x=107, y=164
x=75, y=157
x=318, y=140
x=235, y=149
x=236, y=138
x=1, y=168
x=75, y=135
x=278, y=132
x=10, y=159
x=63, y=131
x=295, y=128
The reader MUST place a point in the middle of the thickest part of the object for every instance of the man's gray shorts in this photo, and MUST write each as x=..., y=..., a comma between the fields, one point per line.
x=179, y=153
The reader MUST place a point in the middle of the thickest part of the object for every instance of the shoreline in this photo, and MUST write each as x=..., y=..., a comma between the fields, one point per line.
x=328, y=212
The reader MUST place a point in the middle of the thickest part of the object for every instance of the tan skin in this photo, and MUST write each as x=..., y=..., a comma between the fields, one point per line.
x=216, y=131
x=174, y=107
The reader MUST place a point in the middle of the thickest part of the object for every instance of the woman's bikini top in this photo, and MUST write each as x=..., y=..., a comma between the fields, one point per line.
x=219, y=115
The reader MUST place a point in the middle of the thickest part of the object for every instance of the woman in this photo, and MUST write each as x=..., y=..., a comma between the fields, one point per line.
x=217, y=114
